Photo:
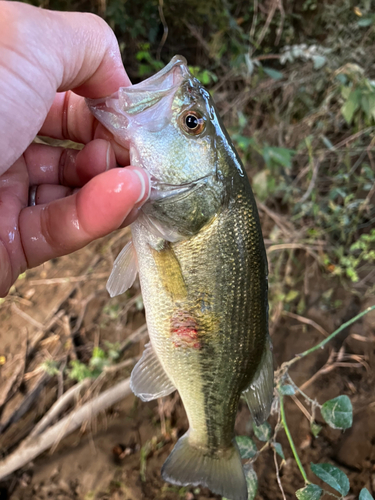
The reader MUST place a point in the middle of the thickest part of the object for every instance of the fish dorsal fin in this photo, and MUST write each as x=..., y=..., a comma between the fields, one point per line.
x=124, y=272
x=148, y=379
x=259, y=394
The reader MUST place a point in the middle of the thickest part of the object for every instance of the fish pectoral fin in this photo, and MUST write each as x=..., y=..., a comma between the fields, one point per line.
x=221, y=473
x=148, y=379
x=259, y=394
x=124, y=271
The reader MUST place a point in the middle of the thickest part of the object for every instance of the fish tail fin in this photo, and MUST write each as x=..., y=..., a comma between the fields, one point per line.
x=221, y=473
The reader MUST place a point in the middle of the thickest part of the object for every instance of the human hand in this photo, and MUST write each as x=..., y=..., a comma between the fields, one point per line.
x=78, y=195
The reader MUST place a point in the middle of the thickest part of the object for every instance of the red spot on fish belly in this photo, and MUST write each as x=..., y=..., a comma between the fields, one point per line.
x=184, y=330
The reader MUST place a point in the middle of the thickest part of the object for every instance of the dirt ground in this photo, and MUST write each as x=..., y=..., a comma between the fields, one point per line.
x=118, y=454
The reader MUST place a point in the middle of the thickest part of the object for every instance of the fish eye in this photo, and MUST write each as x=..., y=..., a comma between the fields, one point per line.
x=192, y=122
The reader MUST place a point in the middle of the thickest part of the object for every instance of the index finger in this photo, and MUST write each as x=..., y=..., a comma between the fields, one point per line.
x=70, y=118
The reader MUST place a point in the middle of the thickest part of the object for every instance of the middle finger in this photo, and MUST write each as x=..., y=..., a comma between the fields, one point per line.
x=68, y=167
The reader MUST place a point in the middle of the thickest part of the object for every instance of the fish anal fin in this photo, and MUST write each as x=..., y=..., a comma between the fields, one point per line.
x=221, y=473
x=124, y=271
x=259, y=394
x=148, y=379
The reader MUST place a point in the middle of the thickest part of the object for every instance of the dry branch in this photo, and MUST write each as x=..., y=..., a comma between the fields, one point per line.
x=32, y=447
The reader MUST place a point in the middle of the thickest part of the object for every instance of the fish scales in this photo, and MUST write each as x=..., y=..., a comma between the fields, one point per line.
x=203, y=273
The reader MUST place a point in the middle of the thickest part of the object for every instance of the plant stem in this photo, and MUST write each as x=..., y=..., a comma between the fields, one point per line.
x=328, y=339
x=290, y=439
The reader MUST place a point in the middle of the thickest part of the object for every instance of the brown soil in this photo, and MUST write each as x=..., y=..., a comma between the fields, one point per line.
x=119, y=455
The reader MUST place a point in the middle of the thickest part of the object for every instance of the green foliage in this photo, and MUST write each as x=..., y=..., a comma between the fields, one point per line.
x=358, y=93
x=287, y=390
x=147, y=63
x=246, y=446
x=338, y=412
x=263, y=432
x=50, y=367
x=205, y=76
x=99, y=360
x=365, y=495
x=360, y=252
x=315, y=429
x=309, y=492
x=251, y=480
x=332, y=476
x=279, y=450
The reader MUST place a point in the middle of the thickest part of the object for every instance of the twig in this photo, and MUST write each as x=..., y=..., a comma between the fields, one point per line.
x=279, y=31
x=59, y=406
x=287, y=364
x=290, y=439
x=165, y=30
x=278, y=474
x=312, y=182
x=293, y=246
x=27, y=317
x=138, y=335
x=254, y=21
x=68, y=279
x=271, y=13
x=307, y=321
x=285, y=226
x=301, y=407
x=32, y=447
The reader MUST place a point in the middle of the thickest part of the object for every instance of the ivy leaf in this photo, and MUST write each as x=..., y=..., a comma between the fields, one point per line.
x=338, y=412
x=246, y=447
x=287, y=390
x=263, y=432
x=251, y=480
x=333, y=476
x=365, y=495
x=279, y=450
x=309, y=492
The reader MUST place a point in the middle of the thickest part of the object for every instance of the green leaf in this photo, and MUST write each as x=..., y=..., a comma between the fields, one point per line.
x=319, y=61
x=260, y=184
x=276, y=75
x=309, y=492
x=338, y=412
x=287, y=390
x=291, y=295
x=333, y=476
x=279, y=450
x=351, y=106
x=263, y=432
x=366, y=21
x=315, y=428
x=246, y=447
x=251, y=480
x=365, y=495
x=278, y=156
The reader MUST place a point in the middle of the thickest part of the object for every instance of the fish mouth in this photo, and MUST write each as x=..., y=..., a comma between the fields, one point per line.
x=147, y=93
x=170, y=76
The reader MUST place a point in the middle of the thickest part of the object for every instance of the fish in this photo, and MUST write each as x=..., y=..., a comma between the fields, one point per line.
x=198, y=247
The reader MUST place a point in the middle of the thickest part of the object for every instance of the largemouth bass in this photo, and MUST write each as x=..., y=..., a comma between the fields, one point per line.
x=202, y=265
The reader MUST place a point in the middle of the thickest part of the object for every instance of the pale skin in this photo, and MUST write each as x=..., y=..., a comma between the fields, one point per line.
x=49, y=62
